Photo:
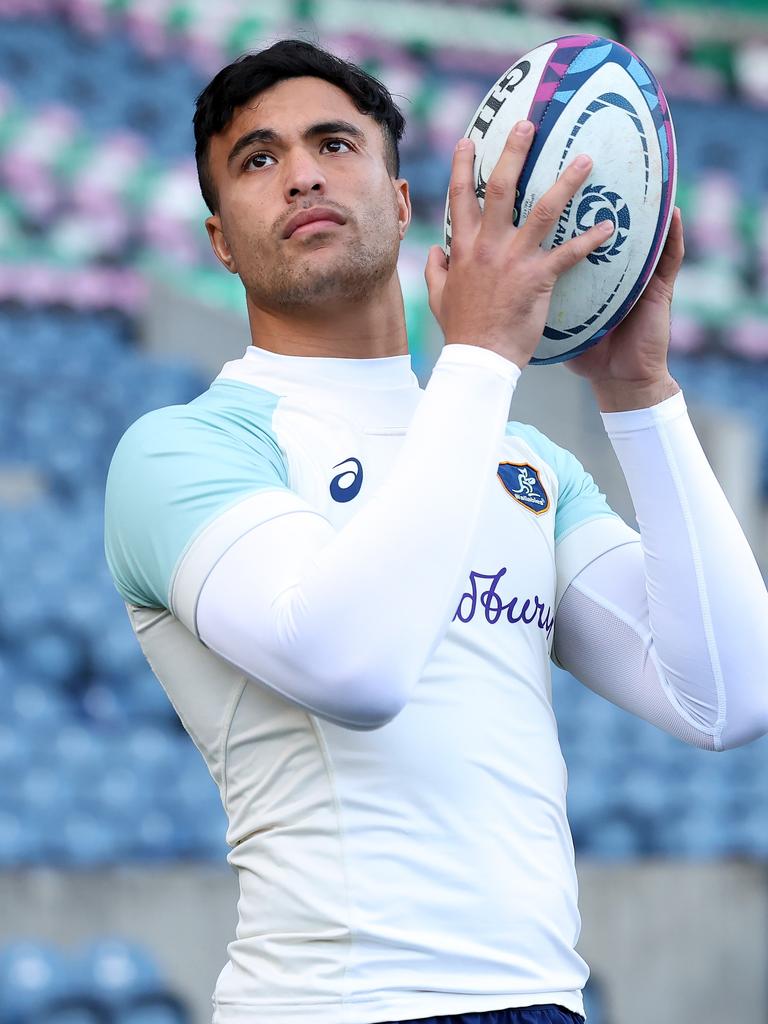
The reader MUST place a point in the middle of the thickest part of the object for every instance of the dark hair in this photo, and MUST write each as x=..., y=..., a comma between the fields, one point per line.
x=252, y=73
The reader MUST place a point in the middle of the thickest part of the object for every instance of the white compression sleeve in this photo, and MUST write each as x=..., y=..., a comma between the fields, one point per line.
x=342, y=622
x=674, y=628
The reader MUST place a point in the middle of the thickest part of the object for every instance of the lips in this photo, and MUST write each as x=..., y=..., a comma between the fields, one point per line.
x=310, y=216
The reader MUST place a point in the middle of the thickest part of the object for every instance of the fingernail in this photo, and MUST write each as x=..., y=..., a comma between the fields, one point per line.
x=582, y=161
x=523, y=128
x=463, y=144
x=606, y=226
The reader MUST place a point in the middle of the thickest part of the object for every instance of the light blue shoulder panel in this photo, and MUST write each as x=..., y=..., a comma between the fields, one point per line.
x=578, y=496
x=174, y=471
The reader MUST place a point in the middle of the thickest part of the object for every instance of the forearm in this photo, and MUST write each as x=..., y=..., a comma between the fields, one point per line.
x=707, y=603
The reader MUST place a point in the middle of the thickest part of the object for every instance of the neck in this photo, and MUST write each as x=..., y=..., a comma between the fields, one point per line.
x=368, y=328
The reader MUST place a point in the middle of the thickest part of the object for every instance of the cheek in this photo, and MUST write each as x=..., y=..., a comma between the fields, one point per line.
x=246, y=221
x=378, y=206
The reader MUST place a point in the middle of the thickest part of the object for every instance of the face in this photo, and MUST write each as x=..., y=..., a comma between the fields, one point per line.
x=303, y=146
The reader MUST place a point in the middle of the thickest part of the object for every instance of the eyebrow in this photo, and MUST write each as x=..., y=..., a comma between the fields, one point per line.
x=269, y=135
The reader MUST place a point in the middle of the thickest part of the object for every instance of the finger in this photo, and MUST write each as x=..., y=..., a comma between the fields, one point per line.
x=563, y=257
x=546, y=212
x=672, y=254
x=501, y=187
x=462, y=200
x=435, y=273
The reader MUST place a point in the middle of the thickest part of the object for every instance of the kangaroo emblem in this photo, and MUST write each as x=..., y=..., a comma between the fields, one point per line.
x=522, y=482
x=526, y=482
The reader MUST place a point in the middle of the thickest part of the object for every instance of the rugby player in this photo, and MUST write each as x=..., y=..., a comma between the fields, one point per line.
x=351, y=587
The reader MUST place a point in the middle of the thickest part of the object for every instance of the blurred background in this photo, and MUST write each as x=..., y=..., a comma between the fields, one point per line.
x=116, y=902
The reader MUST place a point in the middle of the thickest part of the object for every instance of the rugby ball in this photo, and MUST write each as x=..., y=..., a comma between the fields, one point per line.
x=586, y=94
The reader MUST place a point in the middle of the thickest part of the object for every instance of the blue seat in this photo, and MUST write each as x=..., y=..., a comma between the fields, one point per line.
x=644, y=792
x=84, y=750
x=14, y=838
x=51, y=655
x=36, y=707
x=121, y=790
x=101, y=704
x=117, y=972
x=613, y=836
x=31, y=975
x=155, y=749
x=694, y=832
x=155, y=833
x=86, y=839
x=78, y=1010
x=45, y=789
x=164, y=1008
x=13, y=744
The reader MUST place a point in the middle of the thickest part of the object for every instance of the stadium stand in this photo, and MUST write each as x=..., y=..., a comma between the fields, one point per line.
x=98, y=192
x=83, y=696
x=110, y=981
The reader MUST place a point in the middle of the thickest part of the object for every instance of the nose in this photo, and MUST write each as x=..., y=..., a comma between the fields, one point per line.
x=303, y=175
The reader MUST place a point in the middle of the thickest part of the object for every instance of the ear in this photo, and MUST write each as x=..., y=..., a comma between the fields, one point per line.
x=219, y=243
x=403, y=196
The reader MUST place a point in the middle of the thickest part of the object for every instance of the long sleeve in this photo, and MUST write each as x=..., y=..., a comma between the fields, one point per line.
x=673, y=628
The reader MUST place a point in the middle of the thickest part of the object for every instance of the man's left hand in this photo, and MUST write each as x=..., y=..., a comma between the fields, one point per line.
x=628, y=367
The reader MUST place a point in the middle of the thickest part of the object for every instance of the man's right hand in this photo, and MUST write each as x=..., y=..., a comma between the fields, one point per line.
x=496, y=290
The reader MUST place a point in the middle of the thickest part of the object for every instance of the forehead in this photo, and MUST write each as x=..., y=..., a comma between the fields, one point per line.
x=290, y=106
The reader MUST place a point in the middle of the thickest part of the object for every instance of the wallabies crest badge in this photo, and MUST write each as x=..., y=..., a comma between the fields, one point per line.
x=522, y=481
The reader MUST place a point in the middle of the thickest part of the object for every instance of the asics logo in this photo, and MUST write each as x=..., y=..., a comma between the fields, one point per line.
x=346, y=485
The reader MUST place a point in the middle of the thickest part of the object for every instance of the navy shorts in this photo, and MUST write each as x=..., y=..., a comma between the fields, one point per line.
x=549, y=1014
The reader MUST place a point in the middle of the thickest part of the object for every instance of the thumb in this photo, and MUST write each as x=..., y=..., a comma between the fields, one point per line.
x=435, y=273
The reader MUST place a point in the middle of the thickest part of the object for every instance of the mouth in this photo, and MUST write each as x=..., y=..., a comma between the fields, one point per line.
x=310, y=221
x=314, y=226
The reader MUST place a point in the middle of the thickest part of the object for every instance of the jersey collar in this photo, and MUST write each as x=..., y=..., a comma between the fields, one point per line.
x=381, y=373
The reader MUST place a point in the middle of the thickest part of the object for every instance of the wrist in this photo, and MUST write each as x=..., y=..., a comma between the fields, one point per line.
x=624, y=395
x=503, y=351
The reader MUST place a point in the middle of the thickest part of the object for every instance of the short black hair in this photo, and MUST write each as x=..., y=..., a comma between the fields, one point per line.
x=252, y=73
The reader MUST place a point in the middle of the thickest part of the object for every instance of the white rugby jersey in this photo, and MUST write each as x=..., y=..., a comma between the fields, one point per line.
x=421, y=868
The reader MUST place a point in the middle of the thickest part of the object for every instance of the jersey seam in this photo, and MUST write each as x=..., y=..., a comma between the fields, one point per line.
x=328, y=764
x=346, y=723
x=224, y=751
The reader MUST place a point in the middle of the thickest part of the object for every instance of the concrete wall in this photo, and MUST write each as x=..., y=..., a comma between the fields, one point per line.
x=672, y=943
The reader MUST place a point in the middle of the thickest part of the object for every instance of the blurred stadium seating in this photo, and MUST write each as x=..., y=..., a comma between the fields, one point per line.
x=98, y=194
x=109, y=981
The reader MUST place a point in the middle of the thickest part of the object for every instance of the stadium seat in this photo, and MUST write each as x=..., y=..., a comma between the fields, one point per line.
x=14, y=838
x=160, y=1009
x=86, y=839
x=32, y=974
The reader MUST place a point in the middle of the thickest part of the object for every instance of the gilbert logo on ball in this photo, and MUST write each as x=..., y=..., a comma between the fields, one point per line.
x=586, y=94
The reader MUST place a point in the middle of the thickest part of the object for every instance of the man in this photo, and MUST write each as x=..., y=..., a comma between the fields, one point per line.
x=350, y=588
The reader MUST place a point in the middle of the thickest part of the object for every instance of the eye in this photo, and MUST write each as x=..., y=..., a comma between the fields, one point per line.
x=337, y=142
x=256, y=161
